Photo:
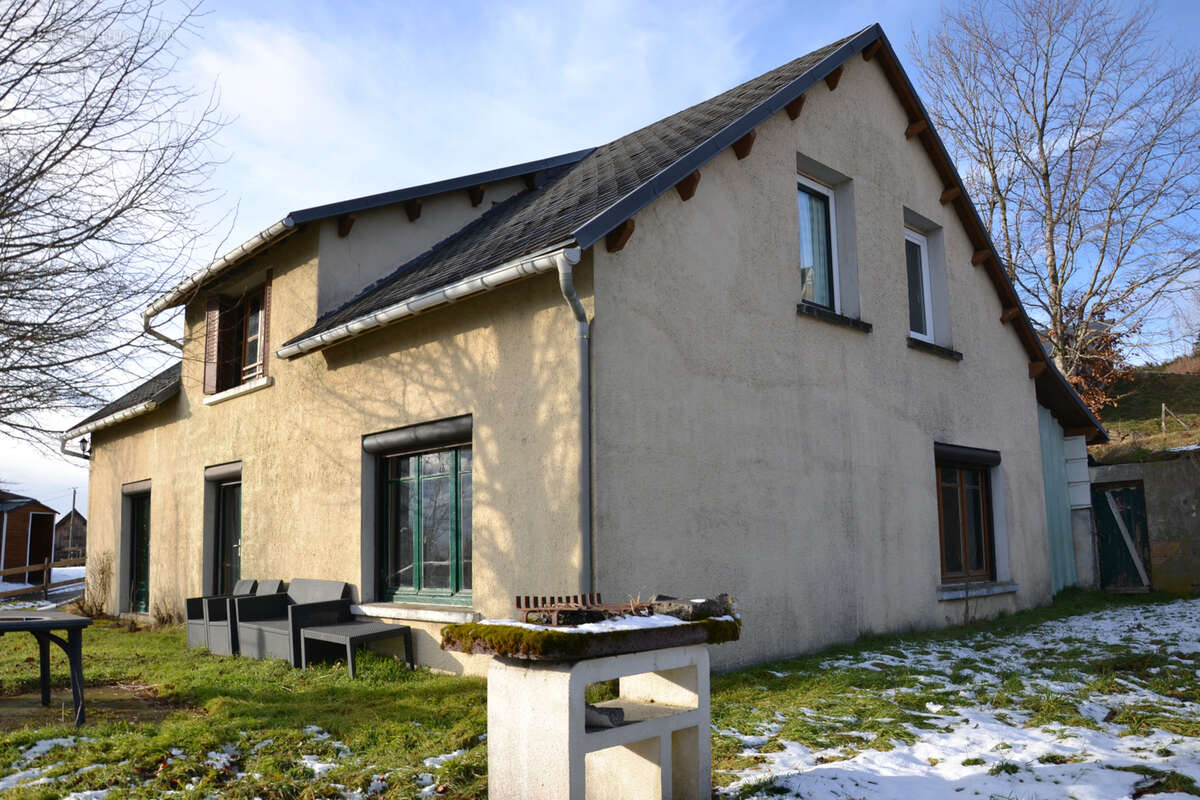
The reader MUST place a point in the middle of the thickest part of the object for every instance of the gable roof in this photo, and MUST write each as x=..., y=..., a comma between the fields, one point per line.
x=273, y=234
x=582, y=202
x=69, y=517
x=11, y=502
x=145, y=397
x=580, y=197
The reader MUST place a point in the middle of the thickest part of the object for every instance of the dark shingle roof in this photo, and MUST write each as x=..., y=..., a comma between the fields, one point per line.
x=158, y=389
x=571, y=202
x=429, y=189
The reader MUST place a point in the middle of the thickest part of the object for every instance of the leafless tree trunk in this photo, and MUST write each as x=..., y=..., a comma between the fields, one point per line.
x=1079, y=136
x=103, y=161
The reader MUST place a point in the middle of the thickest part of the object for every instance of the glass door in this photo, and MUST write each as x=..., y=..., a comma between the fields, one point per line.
x=229, y=536
x=139, y=551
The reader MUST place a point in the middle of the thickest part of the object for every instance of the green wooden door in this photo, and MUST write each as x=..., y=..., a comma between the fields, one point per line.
x=229, y=536
x=1122, y=538
x=139, y=552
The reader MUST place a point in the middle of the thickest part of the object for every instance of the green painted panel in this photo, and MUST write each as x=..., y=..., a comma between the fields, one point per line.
x=1058, y=502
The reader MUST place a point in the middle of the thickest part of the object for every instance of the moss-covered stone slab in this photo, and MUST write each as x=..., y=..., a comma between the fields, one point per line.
x=549, y=644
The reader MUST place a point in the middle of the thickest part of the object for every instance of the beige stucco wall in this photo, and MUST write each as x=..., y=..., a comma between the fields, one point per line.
x=508, y=358
x=1172, y=498
x=788, y=461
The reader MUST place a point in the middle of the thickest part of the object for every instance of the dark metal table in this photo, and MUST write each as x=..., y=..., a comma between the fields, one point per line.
x=42, y=624
x=353, y=634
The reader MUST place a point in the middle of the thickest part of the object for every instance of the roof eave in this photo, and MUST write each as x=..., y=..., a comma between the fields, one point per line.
x=478, y=283
x=112, y=419
x=260, y=241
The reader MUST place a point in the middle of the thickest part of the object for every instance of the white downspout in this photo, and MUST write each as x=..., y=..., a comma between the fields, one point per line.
x=146, y=317
x=565, y=260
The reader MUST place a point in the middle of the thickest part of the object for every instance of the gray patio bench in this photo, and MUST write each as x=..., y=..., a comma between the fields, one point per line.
x=353, y=634
x=220, y=618
x=269, y=625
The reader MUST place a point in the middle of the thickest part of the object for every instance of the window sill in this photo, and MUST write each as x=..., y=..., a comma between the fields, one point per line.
x=252, y=385
x=806, y=309
x=934, y=349
x=959, y=591
x=415, y=612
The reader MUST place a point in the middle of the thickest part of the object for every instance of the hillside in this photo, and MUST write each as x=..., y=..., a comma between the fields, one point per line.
x=1135, y=423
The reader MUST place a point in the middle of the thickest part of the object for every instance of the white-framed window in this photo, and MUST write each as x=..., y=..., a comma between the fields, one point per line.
x=920, y=304
x=818, y=243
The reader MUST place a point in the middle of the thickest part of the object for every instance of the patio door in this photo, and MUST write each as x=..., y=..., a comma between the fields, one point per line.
x=229, y=536
x=139, y=553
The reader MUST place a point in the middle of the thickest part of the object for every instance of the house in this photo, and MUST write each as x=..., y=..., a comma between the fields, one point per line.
x=26, y=536
x=762, y=346
x=70, y=536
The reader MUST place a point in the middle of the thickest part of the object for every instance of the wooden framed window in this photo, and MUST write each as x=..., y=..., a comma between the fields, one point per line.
x=425, y=534
x=965, y=523
x=818, y=245
x=920, y=306
x=251, y=336
x=237, y=338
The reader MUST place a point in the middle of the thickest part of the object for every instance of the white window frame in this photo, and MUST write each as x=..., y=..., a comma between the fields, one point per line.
x=821, y=188
x=923, y=243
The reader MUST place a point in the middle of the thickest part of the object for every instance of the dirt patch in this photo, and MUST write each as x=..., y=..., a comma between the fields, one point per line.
x=109, y=703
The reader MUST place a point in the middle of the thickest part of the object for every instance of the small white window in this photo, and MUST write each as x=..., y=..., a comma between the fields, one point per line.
x=818, y=244
x=920, y=307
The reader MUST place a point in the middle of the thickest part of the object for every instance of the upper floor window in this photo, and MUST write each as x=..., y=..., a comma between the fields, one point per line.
x=251, y=338
x=236, y=339
x=818, y=245
x=920, y=307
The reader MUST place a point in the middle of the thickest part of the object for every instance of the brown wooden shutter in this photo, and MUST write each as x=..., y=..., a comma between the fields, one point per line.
x=212, y=328
x=229, y=344
x=265, y=346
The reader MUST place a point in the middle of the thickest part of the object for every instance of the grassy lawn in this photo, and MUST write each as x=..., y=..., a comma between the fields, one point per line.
x=180, y=719
x=1095, y=697
x=1018, y=703
x=1134, y=423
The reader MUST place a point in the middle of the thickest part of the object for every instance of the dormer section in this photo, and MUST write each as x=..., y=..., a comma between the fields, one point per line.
x=364, y=240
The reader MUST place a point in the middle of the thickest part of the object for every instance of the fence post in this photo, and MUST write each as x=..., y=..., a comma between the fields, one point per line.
x=46, y=579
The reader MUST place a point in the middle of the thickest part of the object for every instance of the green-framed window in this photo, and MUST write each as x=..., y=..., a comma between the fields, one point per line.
x=425, y=525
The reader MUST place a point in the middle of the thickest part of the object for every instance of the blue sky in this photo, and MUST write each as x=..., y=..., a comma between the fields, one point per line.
x=330, y=100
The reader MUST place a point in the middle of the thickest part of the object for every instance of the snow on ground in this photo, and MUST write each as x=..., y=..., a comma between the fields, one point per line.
x=1005, y=756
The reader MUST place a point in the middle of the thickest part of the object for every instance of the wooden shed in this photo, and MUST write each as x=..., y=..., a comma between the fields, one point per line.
x=70, y=537
x=26, y=536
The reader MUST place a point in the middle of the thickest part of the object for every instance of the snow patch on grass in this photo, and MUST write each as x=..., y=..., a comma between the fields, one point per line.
x=1091, y=707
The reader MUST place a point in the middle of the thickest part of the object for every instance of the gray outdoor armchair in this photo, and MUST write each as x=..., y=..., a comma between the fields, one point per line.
x=269, y=626
x=220, y=615
x=197, y=622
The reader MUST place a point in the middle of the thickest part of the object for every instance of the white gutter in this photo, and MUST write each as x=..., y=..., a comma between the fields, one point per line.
x=484, y=281
x=109, y=421
x=264, y=238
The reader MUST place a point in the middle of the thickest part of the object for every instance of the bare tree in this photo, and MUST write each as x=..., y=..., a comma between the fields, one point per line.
x=103, y=161
x=1079, y=136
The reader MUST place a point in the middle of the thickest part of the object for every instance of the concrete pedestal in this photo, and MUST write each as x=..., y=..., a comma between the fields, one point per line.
x=540, y=749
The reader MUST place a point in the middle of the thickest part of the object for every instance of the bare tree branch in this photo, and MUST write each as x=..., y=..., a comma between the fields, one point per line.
x=1079, y=136
x=104, y=160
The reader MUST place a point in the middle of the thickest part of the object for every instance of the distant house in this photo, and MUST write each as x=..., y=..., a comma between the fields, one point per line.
x=26, y=536
x=70, y=536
